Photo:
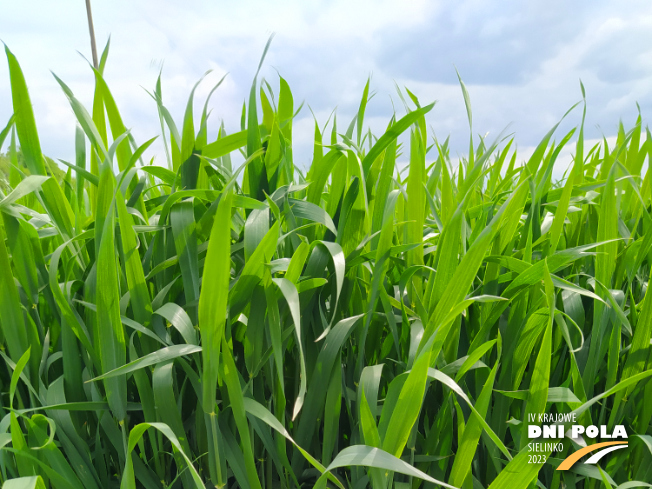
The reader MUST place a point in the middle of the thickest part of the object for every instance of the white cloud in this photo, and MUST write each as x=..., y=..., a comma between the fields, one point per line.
x=522, y=62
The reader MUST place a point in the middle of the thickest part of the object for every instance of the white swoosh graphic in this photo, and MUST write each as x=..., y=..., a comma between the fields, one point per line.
x=595, y=458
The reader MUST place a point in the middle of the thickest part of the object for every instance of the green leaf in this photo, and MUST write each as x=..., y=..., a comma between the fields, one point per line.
x=112, y=347
x=213, y=299
x=375, y=457
x=26, y=186
x=159, y=356
x=237, y=406
x=35, y=482
x=136, y=433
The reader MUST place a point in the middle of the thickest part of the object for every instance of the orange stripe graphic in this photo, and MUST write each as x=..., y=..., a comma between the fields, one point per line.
x=571, y=459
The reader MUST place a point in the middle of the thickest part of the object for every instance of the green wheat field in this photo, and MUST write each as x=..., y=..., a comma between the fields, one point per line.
x=383, y=318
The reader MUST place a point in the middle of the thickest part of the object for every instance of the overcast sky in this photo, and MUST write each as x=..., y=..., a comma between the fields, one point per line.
x=521, y=61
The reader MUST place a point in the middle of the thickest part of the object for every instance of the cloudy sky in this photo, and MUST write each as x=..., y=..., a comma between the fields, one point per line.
x=521, y=61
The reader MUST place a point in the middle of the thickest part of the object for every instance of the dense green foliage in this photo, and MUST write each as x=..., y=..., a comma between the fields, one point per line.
x=388, y=319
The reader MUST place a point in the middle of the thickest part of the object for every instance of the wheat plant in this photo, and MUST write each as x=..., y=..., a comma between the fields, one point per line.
x=388, y=318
